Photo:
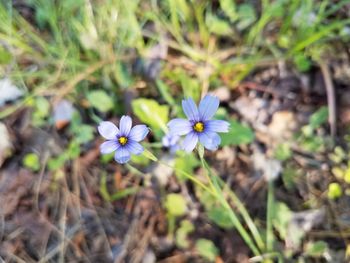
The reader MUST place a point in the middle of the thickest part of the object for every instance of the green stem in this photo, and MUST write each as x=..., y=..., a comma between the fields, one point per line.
x=246, y=217
x=270, y=208
x=242, y=231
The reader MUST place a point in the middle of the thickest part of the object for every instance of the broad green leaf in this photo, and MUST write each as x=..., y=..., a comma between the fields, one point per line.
x=151, y=113
x=185, y=163
x=218, y=26
x=175, y=205
x=207, y=249
x=229, y=8
x=220, y=216
x=100, y=100
x=246, y=16
x=41, y=111
x=5, y=56
x=319, y=117
x=238, y=134
x=302, y=63
x=58, y=162
x=283, y=152
x=84, y=134
x=316, y=249
x=140, y=159
x=183, y=231
x=289, y=175
x=31, y=161
x=281, y=216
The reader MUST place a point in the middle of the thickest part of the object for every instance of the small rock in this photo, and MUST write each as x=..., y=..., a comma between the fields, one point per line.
x=8, y=91
x=300, y=224
x=223, y=93
x=161, y=171
x=63, y=113
x=226, y=154
x=149, y=257
x=5, y=143
x=282, y=125
x=270, y=168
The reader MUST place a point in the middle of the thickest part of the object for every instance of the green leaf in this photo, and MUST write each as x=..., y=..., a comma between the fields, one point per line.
x=123, y=193
x=103, y=188
x=246, y=16
x=185, y=163
x=100, y=100
x=316, y=249
x=238, y=134
x=229, y=8
x=185, y=228
x=289, y=175
x=175, y=204
x=334, y=191
x=283, y=152
x=319, y=117
x=140, y=159
x=58, y=162
x=84, y=134
x=221, y=217
x=302, y=63
x=152, y=113
x=281, y=216
x=207, y=249
x=218, y=26
x=31, y=161
x=5, y=56
x=41, y=111
x=73, y=150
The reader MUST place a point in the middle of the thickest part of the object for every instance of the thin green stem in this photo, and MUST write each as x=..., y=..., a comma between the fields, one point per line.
x=246, y=217
x=235, y=220
x=270, y=208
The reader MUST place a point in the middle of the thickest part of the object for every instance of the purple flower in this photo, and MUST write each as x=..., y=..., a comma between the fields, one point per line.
x=171, y=141
x=124, y=141
x=199, y=126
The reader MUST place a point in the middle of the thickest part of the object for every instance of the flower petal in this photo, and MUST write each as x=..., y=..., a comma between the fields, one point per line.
x=190, y=142
x=125, y=125
x=122, y=155
x=134, y=147
x=109, y=146
x=170, y=140
x=190, y=109
x=210, y=140
x=108, y=130
x=208, y=107
x=138, y=132
x=179, y=126
x=217, y=126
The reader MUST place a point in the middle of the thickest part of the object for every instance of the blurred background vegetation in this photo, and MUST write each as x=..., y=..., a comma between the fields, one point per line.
x=281, y=70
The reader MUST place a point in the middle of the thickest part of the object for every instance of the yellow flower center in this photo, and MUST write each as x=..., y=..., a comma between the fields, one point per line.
x=123, y=140
x=198, y=127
